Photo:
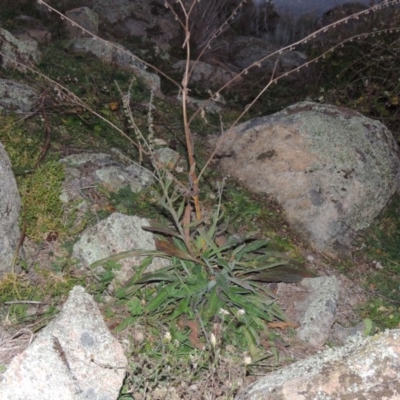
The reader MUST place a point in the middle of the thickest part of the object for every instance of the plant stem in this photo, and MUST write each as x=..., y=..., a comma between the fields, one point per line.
x=194, y=181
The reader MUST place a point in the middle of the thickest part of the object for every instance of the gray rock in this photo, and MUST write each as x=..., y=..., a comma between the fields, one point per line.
x=74, y=358
x=318, y=311
x=28, y=28
x=10, y=206
x=332, y=169
x=363, y=369
x=343, y=334
x=115, y=11
x=166, y=158
x=139, y=18
x=77, y=160
x=112, y=53
x=207, y=73
x=90, y=170
x=117, y=234
x=312, y=304
x=115, y=178
x=15, y=97
x=85, y=18
x=246, y=50
x=17, y=53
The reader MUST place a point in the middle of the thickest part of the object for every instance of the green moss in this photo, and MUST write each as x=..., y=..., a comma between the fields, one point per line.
x=143, y=204
x=42, y=207
x=22, y=142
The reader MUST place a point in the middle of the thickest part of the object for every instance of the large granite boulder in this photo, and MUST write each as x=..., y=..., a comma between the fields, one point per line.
x=10, y=206
x=18, y=53
x=332, y=169
x=82, y=17
x=74, y=358
x=363, y=369
x=139, y=18
x=15, y=97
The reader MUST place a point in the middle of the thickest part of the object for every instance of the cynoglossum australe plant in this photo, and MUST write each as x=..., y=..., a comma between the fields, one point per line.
x=209, y=272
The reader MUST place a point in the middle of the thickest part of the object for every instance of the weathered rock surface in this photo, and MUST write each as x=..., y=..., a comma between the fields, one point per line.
x=75, y=357
x=246, y=50
x=316, y=313
x=207, y=73
x=117, y=234
x=86, y=171
x=10, y=206
x=90, y=176
x=17, y=53
x=363, y=369
x=28, y=28
x=15, y=97
x=139, y=18
x=85, y=18
x=332, y=169
x=113, y=53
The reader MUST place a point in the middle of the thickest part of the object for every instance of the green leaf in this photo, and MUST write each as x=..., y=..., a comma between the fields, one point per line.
x=213, y=228
x=222, y=282
x=276, y=311
x=132, y=286
x=197, y=290
x=263, y=289
x=106, y=277
x=280, y=273
x=252, y=247
x=156, y=277
x=163, y=298
x=275, y=353
x=158, y=227
x=237, y=290
x=252, y=339
x=232, y=242
x=126, y=254
x=204, y=236
x=214, y=303
x=181, y=209
x=249, y=268
x=369, y=327
x=242, y=283
x=135, y=306
x=172, y=250
x=251, y=307
x=125, y=324
x=182, y=308
x=237, y=250
x=222, y=262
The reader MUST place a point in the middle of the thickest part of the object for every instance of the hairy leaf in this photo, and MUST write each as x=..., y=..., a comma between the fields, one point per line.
x=158, y=227
x=169, y=248
x=282, y=273
x=125, y=324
